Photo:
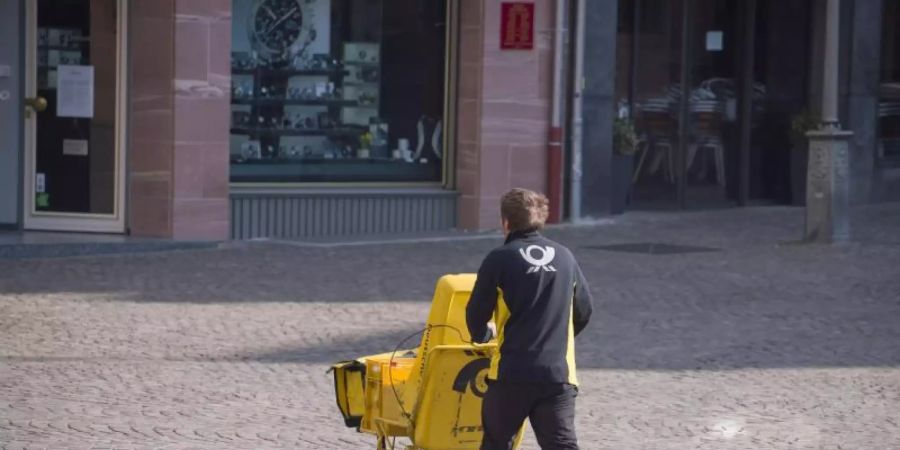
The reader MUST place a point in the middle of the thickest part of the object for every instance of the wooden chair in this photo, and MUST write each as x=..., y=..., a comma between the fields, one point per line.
x=706, y=118
x=656, y=126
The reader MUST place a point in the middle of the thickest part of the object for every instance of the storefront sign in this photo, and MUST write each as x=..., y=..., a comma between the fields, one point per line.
x=75, y=92
x=516, y=26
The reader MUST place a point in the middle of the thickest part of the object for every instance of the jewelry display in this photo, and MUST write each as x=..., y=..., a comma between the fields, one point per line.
x=243, y=61
x=367, y=99
x=325, y=121
x=296, y=103
x=379, y=141
x=241, y=90
x=436, y=140
x=269, y=91
x=368, y=74
x=240, y=118
x=362, y=83
x=420, y=134
x=324, y=90
x=405, y=152
x=290, y=152
x=251, y=150
x=296, y=121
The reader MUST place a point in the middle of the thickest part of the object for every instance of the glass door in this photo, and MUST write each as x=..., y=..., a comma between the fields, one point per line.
x=713, y=88
x=649, y=73
x=889, y=89
x=711, y=110
x=779, y=114
x=73, y=115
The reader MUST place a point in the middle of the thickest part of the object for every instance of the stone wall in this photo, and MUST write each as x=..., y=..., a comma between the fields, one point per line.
x=503, y=111
x=179, y=112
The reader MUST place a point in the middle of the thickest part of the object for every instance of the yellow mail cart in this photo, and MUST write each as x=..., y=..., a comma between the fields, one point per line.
x=429, y=396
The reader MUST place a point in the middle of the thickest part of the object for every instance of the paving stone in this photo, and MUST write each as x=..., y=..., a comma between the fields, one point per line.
x=761, y=344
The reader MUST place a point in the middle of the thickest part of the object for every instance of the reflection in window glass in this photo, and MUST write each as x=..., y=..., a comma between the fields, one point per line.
x=648, y=91
x=889, y=104
x=337, y=90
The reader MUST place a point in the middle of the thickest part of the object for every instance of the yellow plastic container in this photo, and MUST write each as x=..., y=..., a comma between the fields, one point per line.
x=385, y=393
x=350, y=390
x=448, y=415
x=431, y=396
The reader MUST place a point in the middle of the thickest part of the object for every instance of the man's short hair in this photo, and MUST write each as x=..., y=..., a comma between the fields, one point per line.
x=525, y=210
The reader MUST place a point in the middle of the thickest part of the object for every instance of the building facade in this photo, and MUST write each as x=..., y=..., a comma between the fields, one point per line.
x=217, y=119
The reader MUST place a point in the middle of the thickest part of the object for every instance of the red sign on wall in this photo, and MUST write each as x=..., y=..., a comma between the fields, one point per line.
x=516, y=26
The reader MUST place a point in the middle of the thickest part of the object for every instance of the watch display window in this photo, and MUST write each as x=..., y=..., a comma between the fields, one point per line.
x=338, y=90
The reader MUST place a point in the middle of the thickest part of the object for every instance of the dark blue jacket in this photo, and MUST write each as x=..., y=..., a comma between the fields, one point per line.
x=535, y=292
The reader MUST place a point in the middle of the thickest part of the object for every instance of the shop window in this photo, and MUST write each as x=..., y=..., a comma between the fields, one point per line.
x=338, y=90
x=889, y=102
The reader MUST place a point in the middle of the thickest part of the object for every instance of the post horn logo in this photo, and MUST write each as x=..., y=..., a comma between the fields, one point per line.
x=539, y=263
x=472, y=376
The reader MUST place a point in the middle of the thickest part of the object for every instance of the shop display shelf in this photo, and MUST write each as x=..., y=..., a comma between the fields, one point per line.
x=362, y=64
x=287, y=73
x=277, y=101
x=341, y=131
x=323, y=160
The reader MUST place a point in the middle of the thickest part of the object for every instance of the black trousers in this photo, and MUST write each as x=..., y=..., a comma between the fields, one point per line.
x=550, y=407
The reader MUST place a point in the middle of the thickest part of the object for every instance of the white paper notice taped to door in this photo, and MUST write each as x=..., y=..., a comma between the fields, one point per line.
x=715, y=41
x=75, y=147
x=75, y=91
x=40, y=183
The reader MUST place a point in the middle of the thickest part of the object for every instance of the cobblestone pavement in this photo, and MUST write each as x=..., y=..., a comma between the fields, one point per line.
x=759, y=344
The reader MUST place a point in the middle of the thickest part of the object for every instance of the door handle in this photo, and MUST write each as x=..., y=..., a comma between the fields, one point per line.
x=38, y=104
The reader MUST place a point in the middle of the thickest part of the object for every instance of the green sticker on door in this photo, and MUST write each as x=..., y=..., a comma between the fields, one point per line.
x=42, y=200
